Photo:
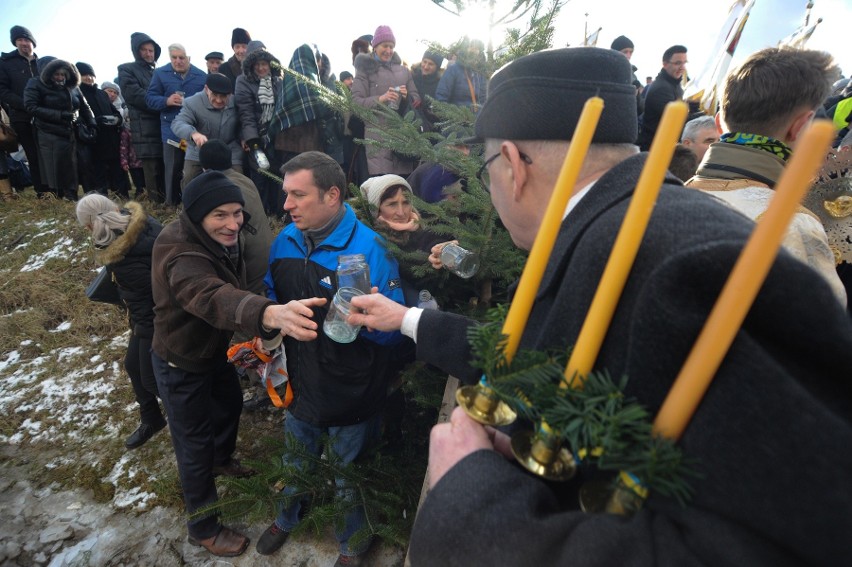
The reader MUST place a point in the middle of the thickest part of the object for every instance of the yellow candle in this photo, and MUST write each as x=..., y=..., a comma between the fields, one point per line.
x=626, y=245
x=742, y=286
x=519, y=311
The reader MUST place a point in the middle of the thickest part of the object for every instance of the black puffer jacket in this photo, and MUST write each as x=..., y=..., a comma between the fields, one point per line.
x=133, y=79
x=55, y=108
x=15, y=72
x=129, y=257
x=245, y=93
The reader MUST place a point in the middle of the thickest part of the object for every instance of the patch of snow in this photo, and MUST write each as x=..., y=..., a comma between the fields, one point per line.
x=64, y=326
x=13, y=357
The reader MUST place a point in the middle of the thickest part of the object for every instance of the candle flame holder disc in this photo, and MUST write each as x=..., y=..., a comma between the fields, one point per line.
x=481, y=403
x=542, y=454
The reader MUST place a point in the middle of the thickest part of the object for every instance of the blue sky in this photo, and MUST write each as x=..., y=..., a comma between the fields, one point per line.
x=97, y=31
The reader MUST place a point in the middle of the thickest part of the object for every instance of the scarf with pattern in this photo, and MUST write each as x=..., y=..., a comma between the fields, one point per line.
x=297, y=103
x=758, y=142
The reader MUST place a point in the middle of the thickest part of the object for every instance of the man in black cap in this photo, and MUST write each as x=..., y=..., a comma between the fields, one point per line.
x=198, y=283
x=208, y=115
x=665, y=89
x=16, y=68
x=214, y=61
x=233, y=67
x=771, y=436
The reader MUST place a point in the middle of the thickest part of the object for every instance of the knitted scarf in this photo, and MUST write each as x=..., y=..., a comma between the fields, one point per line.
x=758, y=142
x=266, y=99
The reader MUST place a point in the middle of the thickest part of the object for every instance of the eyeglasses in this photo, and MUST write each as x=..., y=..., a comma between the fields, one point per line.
x=482, y=174
x=677, y=63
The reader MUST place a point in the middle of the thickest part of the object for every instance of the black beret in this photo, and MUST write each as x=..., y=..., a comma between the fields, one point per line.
x=85, y=69
x=239, y=35
x=541, y=96
x=208, y=191
x=214, y=55
x=621, y=42
x=219, y=83
x=21, y=31
x=215, y=154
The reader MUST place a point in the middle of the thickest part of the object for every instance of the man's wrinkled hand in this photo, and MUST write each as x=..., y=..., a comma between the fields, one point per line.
x=293, y=319
x=454, y=440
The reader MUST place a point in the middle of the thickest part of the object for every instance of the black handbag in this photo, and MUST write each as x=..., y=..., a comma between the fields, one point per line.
x=103, y=288
x=86, y=134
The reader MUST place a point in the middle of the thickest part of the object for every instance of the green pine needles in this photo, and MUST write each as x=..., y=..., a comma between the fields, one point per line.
x=598, y=423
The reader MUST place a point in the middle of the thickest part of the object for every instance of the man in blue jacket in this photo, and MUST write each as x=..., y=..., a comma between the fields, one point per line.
x=338, y=389
x=170, y=85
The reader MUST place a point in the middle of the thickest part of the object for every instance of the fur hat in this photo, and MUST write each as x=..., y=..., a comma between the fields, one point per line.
x=85, y=69
x=214, y=55
x=239, y=35
x=374, y=187
x=208, y=191
x=541, y=96
x=20, y=31
x=215, y=154
x=383, y=34
x=219, y=83
x=621, y=42
x=436, y=57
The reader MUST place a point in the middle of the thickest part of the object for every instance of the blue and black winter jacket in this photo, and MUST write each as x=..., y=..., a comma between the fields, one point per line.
x=334, y=384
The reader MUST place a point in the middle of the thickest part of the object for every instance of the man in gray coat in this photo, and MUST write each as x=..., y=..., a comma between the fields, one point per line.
x=208, y=115
x=771, y=435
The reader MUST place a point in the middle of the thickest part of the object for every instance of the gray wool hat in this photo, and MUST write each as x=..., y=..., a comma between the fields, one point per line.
x=541, y=96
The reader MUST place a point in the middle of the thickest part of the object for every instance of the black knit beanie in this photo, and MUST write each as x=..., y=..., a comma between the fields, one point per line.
x=21, y=31
x=239, y=35
x=541, y=96
x=208, y=191
x=437, y=58
x=215, y=154
x=621, y=42
x=85, y=69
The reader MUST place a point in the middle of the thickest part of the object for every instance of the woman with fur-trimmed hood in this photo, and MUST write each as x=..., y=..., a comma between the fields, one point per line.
x=377, y=77
x=125, y=239
x=56, y=104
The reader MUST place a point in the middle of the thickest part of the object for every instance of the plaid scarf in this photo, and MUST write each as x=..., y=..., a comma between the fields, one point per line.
x=297, y=103
x=758, y=142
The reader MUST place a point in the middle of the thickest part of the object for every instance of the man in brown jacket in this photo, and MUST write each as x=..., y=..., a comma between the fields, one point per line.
x=198, y=280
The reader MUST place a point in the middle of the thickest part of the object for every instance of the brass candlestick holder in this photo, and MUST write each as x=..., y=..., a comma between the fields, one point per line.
x=481, y=403
x=543, y=454
x=624, y=497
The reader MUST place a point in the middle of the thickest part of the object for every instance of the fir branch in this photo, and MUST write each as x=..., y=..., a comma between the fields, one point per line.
x=598, y=421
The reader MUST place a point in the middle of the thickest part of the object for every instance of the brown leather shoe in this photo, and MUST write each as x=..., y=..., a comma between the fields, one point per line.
x=227, y=543
x=233, y=468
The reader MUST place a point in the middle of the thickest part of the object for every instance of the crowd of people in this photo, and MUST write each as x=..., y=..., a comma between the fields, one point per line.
x=771, y=438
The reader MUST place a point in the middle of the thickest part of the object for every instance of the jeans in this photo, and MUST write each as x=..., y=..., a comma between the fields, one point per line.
x=347, y=442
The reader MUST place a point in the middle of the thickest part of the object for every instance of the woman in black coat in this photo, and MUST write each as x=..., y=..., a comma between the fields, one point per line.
x=255, y=98
x=56, y=104
x=126, y=238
